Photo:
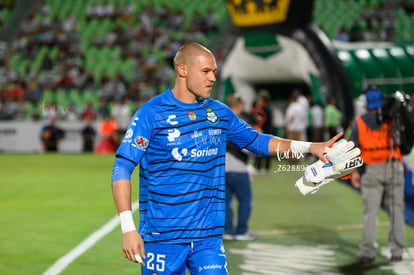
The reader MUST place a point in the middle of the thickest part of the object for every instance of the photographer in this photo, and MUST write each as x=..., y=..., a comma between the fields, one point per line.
x=380, y=179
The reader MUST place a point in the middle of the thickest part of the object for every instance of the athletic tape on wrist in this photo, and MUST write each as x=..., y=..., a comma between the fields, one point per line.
x=298, y=147
x=127, y=221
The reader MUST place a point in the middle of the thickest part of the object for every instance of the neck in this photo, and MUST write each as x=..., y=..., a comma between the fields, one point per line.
x=184, y=95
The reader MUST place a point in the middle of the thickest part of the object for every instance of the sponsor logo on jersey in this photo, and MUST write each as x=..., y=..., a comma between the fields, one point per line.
x=178, y=153
x=134, y=122
x=140, y=143
x=214, y=132
x=203, y=153
x=196, y=134
x=209, y=267
x=192, y=115
x=129, y=133
x=171, y=120
x=173, y=134
x=211, y=116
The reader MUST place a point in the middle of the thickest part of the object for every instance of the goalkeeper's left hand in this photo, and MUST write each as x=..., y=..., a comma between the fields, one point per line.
x=343, y=157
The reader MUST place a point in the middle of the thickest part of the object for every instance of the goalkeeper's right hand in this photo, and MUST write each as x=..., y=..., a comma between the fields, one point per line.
x=343, y=158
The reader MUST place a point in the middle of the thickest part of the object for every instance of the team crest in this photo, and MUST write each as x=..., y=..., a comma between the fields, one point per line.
x=211, y=116
x=192, y=115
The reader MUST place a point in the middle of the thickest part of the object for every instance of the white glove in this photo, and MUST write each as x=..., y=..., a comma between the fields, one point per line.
x=343, y=157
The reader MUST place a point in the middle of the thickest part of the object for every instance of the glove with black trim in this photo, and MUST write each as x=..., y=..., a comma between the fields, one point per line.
x=343, y=157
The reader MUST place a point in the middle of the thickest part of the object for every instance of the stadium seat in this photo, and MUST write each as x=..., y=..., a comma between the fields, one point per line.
x=90, y=96
x=392, y=73
x=373, y=74
x=353, y=70
x=62, y=97
x=405, y=64
x=48, y=96
x=75, y=96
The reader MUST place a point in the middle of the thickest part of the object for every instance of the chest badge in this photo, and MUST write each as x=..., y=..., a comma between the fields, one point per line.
x=211, y=116
x=192, y=115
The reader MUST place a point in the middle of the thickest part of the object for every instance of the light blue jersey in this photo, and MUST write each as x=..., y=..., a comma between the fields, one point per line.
x=181, y=152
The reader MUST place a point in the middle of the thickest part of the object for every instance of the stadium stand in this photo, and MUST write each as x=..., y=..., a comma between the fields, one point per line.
x=80, y=51
x=387, y=20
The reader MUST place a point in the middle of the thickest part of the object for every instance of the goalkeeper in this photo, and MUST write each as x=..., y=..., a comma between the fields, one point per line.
x=178, y=139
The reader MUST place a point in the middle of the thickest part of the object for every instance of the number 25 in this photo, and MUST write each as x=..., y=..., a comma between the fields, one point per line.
x=156, y=262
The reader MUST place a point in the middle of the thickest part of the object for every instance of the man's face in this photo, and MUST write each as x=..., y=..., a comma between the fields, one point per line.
x=201, y=75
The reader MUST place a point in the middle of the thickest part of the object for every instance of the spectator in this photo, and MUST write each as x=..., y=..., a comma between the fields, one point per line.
x=238, y=183
x=342, y=35
x=370, y=32
x=36, y=116
x=333, y=118
x=88, y=113
x=317, y=122
x=93, y=11
x=264, y=116
x=8, y=109
x=51, y=135
x=88, y=133
x=21, y=112
x=66, y=81
x=296, y=121
x=296, y=117
x=211, y=21
x=103, y=110
x=15, y=91
x=107, y=130
x=381, y=180
x=33, y=92
x=356, y=32
x=71, y=113
x=122, y=115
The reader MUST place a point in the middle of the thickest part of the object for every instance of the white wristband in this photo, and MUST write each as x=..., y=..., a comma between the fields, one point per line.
x=299, y=147
x=127, y=221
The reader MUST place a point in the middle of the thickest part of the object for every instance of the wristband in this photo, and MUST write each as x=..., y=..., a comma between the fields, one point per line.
x=127, y=221
x=298, y=147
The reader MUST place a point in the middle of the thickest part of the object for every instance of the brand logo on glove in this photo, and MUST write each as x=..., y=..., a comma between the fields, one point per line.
x=353, y=163
x=314, y=172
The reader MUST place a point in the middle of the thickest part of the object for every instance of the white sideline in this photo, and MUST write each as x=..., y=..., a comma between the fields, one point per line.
x=81, y=248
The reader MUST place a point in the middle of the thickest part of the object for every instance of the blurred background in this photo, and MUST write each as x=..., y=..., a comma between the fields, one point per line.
x=73, y=72
x=87, y=65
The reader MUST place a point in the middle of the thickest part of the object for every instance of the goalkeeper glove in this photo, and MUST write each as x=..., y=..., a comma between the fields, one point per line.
x=343, y=158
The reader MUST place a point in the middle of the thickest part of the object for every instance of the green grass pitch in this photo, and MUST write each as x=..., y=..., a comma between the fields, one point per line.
x=51, y=202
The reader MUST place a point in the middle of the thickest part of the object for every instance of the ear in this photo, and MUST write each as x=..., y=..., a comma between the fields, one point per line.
x=182, y=70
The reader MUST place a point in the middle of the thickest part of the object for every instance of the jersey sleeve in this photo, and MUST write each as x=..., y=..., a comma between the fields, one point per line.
x=137, y=138
x=239, y=133
x=244, y=136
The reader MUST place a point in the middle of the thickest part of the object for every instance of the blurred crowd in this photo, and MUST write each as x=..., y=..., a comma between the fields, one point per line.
x=151, y=40
x=377, y=23
x=148, y=41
